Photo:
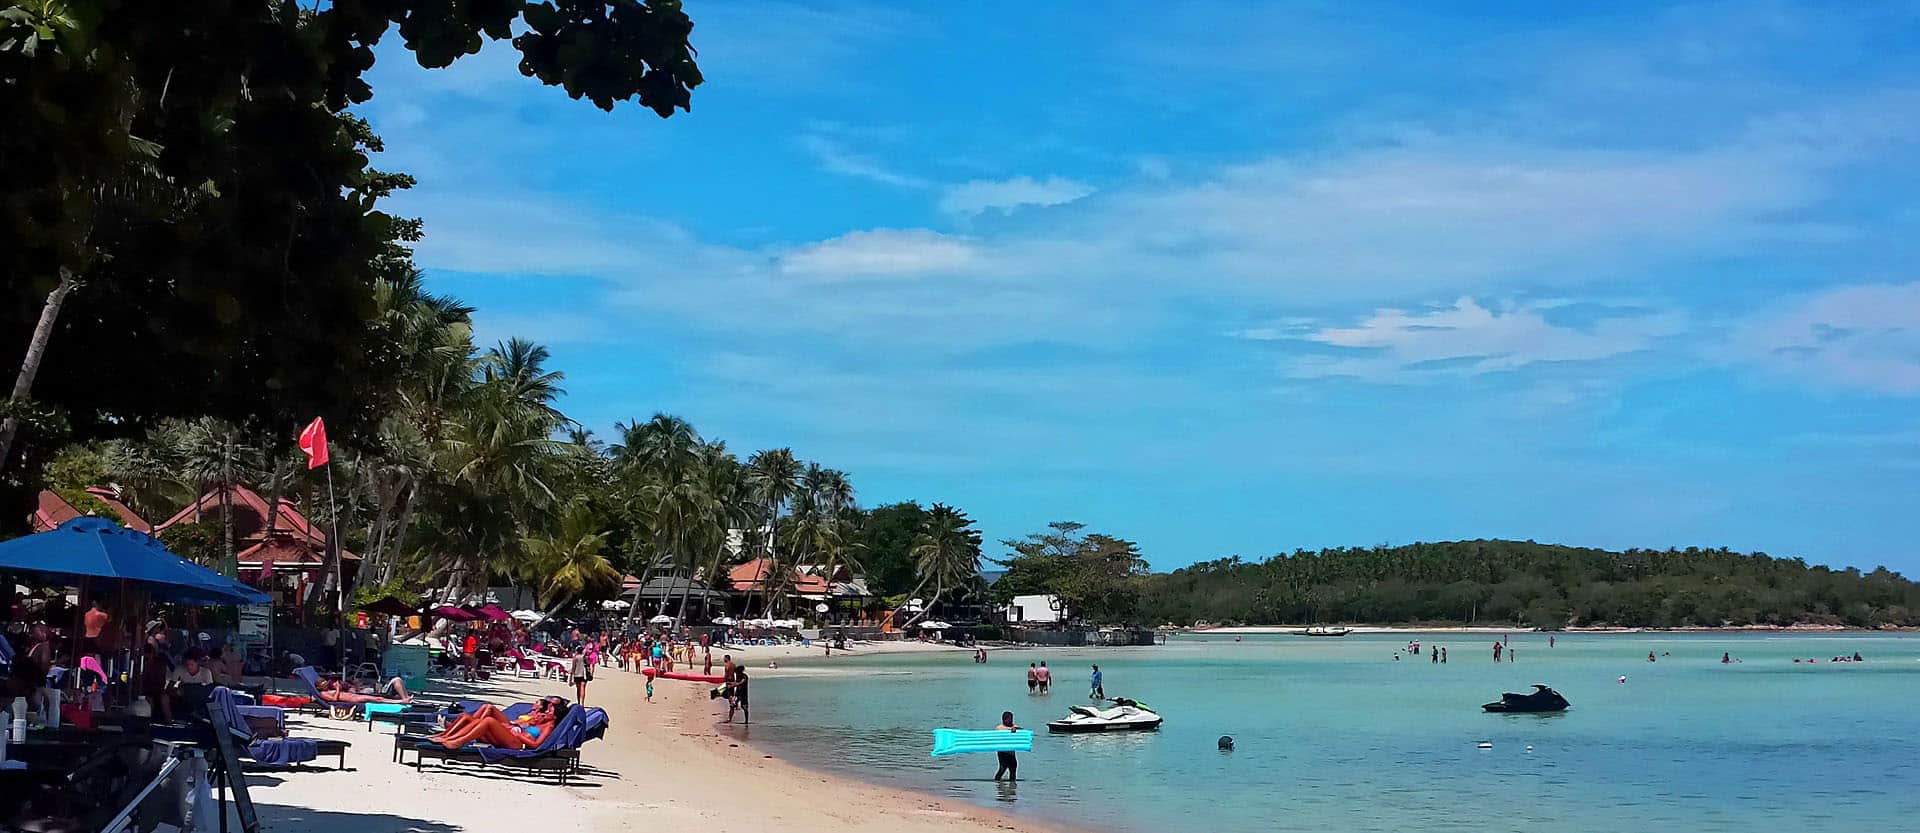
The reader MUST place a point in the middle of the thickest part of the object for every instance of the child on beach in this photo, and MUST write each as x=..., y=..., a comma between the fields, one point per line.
x=582, y=672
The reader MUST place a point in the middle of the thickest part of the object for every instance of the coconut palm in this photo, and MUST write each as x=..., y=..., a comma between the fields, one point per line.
x=946, y=553
x=730, y=506
x=572, y=561
x=773, y=475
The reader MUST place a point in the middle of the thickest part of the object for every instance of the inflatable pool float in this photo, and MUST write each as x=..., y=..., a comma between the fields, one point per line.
x=962, y=741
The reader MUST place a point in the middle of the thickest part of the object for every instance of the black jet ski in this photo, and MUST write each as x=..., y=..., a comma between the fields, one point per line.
x=1542, y=699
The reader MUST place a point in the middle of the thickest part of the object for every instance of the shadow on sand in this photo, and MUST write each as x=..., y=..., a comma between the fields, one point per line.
x=281, y=817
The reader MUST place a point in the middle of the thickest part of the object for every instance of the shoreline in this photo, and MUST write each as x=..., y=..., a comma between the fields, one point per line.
x=670, y=764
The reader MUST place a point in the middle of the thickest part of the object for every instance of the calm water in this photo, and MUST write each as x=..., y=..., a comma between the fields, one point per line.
x=1335, y=735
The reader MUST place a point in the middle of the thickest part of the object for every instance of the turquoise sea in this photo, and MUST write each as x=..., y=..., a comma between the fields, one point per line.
x=1334, y=734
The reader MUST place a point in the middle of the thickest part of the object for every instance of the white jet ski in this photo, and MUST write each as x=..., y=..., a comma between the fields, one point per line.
x=1125, y=716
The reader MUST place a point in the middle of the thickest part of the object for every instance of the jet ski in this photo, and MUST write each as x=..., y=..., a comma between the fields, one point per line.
x=1542, y=699
x=1125, y=716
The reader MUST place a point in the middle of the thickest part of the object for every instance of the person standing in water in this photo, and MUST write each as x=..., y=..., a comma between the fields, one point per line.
x=1099, y=691
x=1433, y=656
x=1443, y=655
x=1496, y=651
x=1046, y=678
x=1033, y=677
x=1009, y=765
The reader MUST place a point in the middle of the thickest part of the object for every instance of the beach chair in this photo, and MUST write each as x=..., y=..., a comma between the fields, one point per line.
x=227, y=715
x=420, y=728
x=558, y=752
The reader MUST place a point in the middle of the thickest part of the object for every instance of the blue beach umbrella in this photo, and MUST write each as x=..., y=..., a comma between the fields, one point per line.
x=99, y=548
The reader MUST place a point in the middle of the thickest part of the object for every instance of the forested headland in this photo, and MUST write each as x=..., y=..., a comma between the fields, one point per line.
x=1495, y=582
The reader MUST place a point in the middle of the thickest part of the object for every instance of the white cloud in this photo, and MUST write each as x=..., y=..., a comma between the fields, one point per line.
x=1471, y=339
x=1860, y=337
x=834, y=157
x=880, y=252
x=970, y=198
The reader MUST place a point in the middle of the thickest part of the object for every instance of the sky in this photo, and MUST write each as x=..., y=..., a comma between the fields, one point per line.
x=1235, y=278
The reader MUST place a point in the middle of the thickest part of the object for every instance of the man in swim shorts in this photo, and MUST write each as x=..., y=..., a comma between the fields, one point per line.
x=1033, y=677
x=1009, y=765
x=1045, y=677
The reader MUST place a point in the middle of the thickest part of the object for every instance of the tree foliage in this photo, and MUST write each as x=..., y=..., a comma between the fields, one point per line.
x=1524, y=583
x=190, y=173
x=1097, y=578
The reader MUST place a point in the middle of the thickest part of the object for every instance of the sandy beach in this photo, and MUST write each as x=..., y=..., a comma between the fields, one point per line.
x=671, y=765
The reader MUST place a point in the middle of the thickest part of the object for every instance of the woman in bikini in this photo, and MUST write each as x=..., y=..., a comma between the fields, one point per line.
x=491, y=726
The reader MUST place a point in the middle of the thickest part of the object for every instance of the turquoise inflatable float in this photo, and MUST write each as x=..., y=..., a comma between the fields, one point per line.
x=962, y=741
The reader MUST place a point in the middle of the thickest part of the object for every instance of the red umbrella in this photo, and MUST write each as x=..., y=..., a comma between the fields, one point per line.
x=491, y=613
x=453, y=614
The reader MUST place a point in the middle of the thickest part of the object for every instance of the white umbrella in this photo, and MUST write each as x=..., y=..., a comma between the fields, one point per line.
x=615, y=604
x=662, y=619
x=724, y=621
x=526, y=615
x=935, y=625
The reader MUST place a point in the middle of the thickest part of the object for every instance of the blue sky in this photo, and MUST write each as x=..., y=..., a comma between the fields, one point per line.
x=1233, y=278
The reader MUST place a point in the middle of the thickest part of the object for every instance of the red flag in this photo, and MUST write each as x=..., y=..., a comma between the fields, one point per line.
x=313, y=441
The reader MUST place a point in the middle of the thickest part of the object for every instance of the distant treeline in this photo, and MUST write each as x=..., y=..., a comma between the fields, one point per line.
x=1521, y=582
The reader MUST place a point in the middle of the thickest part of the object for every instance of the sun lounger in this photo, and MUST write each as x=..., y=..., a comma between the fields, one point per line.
x=273, y=752
x=558, y=752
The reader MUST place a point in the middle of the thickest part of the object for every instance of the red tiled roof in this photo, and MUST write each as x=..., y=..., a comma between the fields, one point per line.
x=250, y=517
x=52, y=511
x=753, y=576
x=286, y=550
x=128, y=518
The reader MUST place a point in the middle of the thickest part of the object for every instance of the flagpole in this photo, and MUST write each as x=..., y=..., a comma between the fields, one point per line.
x=339, y=585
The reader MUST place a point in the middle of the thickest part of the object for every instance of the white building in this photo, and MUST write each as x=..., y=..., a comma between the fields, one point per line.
x=1041, y=609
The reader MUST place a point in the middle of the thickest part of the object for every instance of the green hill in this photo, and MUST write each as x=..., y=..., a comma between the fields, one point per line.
x=1495, y=582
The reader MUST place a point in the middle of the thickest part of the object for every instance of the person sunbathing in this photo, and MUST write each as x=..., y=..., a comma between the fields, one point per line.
x=491, y=726
x=332, y=691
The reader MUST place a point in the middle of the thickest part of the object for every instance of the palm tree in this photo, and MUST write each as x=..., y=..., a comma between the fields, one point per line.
x=572, y=561
x=946, y=552
x=729, y=506
x=772, y=475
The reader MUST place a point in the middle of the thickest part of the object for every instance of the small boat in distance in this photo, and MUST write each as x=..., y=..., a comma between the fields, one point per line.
x=1322, y=630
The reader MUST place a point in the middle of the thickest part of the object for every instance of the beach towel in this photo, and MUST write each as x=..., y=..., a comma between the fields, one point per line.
x=281, y=752
x=285, y=701
x=284, y=752
x=962, y=741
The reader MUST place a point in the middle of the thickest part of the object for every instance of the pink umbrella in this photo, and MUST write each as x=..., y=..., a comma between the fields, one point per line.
x=453, y=614
x=492, y=613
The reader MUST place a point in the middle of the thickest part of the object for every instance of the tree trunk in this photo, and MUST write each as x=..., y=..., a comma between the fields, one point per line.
x=228, y=561
x=397, y=548
x=36, y=353
x=564, y=601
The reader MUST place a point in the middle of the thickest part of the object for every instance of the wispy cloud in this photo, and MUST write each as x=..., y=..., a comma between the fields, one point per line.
x=1467, y=338
x=881, y=252
x=1856, y=337
x=835, y=157
x=970, y=198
